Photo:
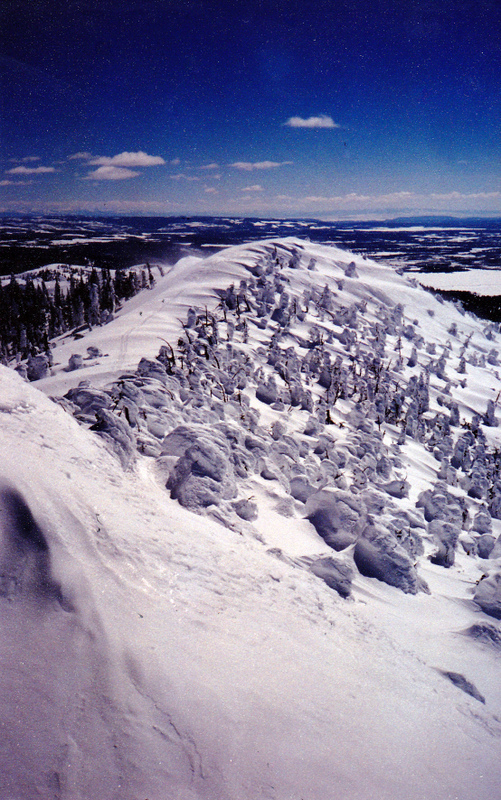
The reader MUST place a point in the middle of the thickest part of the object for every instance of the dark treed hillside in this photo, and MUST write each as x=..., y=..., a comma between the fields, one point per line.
x=485, y=307
x=31, y=314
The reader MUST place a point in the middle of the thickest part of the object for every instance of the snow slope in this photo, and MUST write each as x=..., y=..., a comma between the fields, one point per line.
x=145, y=322
x=152, y=652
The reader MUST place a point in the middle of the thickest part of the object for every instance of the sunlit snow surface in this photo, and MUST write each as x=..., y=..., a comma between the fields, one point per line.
x=150, y=652
x=479, y=281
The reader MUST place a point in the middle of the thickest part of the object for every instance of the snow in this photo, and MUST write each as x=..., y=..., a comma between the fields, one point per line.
x=486, y=282
x=144, y=324
x=177, y=657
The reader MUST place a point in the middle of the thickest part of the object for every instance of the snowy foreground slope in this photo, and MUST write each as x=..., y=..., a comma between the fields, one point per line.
x=310, y=609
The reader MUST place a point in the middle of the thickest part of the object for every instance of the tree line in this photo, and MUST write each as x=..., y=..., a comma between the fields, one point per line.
x=31, y=313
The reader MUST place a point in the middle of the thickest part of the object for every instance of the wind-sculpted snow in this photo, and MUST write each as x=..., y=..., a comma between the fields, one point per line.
x=203, y=475
x=338, y=517
x=315, y=352
x=337, y=574
x=334, y=428
x=318, y=346
x=488, y=595
x=378, y=554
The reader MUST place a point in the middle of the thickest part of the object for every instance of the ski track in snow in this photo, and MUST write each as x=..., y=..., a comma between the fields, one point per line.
x=151, y=652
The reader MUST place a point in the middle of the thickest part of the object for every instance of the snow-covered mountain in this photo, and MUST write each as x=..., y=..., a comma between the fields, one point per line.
x=251, y=546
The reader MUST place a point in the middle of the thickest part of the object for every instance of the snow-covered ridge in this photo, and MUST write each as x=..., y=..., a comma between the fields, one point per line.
x=333, y=425
x=314, y=353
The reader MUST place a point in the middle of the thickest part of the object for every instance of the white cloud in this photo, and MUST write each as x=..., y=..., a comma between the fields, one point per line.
x=354, y=198
x=322, y=121
x=80, y=155
x=182, y=177
x=175, y=162
x=212, y=165
x=352, y=205
x=351, y=198
x=111, y=173
x=249, y=166
x=405, y=201
x=29, y=170
x=254, y=188
x=471, y=196
x=139, y=159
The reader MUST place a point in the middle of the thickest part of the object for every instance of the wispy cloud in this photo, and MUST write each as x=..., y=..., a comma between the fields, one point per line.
x=471, y=196
x=139, y=159
x=14, y=183
x=322, y=121
x=25, y=160
x=181, y=176
x=139, y=207
x=354, y=200
x=404, y=201
x=254, y=188
x=352, y=205
x=212, y=165
x=80, y=156
x=175, y=162
x=111, y=173
x=249, y=166
x=21, y=170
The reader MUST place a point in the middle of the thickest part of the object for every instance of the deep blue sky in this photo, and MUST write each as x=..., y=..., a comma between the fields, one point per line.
x=265, y=107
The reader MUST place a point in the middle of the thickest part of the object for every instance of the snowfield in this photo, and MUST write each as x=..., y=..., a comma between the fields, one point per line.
x=252, y=549
x=486, y=282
